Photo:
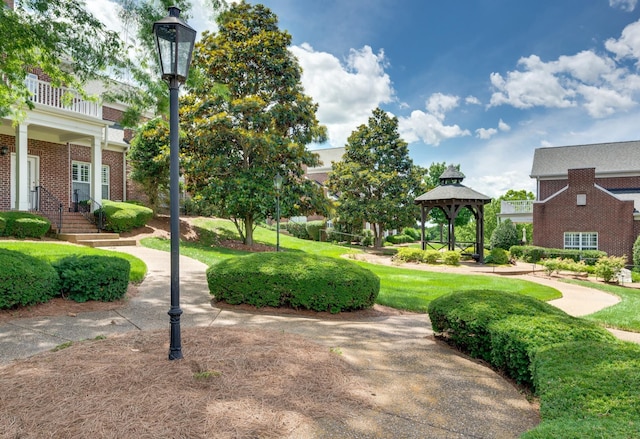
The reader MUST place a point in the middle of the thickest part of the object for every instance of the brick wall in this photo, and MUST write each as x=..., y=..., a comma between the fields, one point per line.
x=611, y=218
x=55, y=168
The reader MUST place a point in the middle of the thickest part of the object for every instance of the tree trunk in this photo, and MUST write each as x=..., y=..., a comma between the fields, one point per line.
x=377, y=232
x=248, y=230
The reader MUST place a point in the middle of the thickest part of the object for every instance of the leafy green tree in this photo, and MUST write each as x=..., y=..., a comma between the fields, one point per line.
x=376, y=180
x=52, y=35
x=246, y=119
x=149, y=159
x=505, y=235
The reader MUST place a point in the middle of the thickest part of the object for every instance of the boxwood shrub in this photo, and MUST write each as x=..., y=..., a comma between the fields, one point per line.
x=313, y=229
x=25, y=280
x=464, y=317
x=296, y=280
x=587, y=389
x=93, y=277
x=122, y=217
x=515, y=340
x=533, y=254
x=23, y=225
x=399, y=239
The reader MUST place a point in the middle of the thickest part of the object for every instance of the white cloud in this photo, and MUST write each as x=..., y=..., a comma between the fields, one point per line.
x=602, y=102
x=472, y=100
x=625, y=5
x=347, y=92
x=429, y=126
x=503, y=126
x=486, y=133
x=628, y=45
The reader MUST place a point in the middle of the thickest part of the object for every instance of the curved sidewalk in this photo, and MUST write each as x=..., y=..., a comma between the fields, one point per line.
x=423, y=389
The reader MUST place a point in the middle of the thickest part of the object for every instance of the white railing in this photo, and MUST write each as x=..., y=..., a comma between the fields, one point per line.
x=516, y=206
x=44, y=93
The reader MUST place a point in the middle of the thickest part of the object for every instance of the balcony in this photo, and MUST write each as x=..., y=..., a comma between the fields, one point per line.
x=43, y=93
x=518, y=211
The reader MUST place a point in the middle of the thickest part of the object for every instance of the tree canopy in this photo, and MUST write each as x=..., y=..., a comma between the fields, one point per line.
x=376, y=181
x=246, y=119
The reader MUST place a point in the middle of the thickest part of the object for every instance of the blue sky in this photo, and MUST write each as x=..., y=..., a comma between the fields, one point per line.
x=477, y=83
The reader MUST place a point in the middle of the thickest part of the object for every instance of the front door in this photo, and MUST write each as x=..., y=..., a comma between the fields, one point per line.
x=33, y=177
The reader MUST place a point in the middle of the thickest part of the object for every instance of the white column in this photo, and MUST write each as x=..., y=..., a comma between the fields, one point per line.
x=22, y=182
x=96, y=170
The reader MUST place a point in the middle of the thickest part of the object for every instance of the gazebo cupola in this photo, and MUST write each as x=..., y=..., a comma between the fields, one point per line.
x=451, y=176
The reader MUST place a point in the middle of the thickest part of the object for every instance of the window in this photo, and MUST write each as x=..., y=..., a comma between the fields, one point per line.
x=581, y=240
x=105, y=182
x=81, y=181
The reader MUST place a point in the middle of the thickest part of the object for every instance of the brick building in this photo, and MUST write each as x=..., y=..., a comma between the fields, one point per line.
x=64, y=150
x=588, y=197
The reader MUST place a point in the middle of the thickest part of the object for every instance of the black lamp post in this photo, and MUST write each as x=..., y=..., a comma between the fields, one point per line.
x=174, y=39
x=277, y=184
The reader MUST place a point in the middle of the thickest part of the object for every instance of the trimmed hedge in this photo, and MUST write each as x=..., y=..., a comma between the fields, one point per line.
x=23, y=225
x=122, y=216
x=533, y=254
x=587, y=389
x=413, y=232
x=465, y=316
x=506, y=329
x=295, y=280
x=313, y=229
x=298, y=230
x=399, y=239
x=92, y=277
x=25, y=280
x=498, y=256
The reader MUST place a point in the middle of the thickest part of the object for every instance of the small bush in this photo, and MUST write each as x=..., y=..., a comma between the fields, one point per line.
x=399, y=239
x=366, y=239
x=505, y=235
x=313, y=229
x=122, y=217
x=25, y=280
x=407, y=254
x=295, y=280
x=298, y=230
x=609, y=267
x=533, y=254
x=451, y=257
x=415, y=234
x=498, y=256
x=23, y=225
x=431, y=256
x=92, y=277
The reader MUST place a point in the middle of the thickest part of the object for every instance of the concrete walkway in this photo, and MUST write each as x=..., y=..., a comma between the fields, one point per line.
x=423, y=389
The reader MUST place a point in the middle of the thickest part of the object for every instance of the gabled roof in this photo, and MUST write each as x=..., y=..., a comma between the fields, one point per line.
x=458, y=192
x=621, y=158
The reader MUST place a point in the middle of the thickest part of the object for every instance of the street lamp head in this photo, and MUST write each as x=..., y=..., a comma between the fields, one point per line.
x=174, y=40
x=277, y=182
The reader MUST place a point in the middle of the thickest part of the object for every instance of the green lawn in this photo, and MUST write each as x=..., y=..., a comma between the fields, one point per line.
x=52, y=251
x=624, y=315
x=400, y=288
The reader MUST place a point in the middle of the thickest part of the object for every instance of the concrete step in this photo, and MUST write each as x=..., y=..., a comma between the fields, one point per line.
x=108, y=242
x=77, y=237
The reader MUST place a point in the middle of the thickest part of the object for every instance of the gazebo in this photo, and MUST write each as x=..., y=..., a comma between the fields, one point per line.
x=451, y=196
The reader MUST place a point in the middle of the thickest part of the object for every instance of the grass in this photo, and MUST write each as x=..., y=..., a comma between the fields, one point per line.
x=51, y=251
x=624, y=315
x=413, y=290
x=400, y=288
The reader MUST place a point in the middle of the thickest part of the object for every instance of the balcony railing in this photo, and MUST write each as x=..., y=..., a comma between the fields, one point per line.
x=516, y=207
x=44, y=93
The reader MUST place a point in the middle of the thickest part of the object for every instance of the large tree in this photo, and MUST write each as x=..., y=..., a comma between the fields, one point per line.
x=246, y=119
x=149, y=159
x=59, y=37
x=376, y=180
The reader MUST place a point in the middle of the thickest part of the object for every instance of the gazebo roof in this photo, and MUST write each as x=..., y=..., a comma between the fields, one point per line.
x=453, y=192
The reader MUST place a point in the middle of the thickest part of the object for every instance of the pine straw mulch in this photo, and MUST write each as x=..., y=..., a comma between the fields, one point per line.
x=232, y=384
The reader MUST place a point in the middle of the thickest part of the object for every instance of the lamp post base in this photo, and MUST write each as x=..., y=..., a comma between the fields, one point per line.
x=175, y=347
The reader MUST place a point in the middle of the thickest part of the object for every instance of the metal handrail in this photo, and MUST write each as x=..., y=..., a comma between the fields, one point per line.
x=89, y=208
x=48, y=204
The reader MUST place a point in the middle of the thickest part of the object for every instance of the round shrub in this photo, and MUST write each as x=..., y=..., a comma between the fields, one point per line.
x=407, y=254
x=124, y=216
x=314, y=228
x=25, y=280
x=295, y=280
x=93, y=277
x=498, y=256
x=23, y=225
x=414, y=233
